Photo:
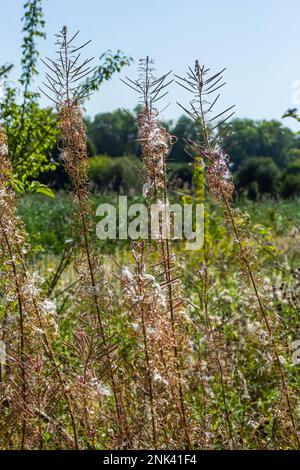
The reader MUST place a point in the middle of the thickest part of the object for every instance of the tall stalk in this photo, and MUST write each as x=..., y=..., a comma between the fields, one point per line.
x=67, y=73
x=220, y=186
x=156, y=145
x=28, y=296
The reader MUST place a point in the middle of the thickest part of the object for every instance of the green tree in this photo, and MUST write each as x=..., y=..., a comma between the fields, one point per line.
x=247, y=138
x=276, y=141
x=113, y=134
x=258, y=175
x=291, y=180
x=242, y=140
x=32, y=130
x=185, y=128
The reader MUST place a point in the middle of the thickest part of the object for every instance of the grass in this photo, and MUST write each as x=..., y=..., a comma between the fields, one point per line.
x=49, y=221
x=145, y=345
x=275, y=226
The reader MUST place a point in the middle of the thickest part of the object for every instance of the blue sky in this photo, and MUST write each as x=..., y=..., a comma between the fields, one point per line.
x=257, y=40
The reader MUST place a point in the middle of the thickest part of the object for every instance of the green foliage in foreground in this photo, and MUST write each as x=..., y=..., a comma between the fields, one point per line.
x=275, y=227
x=48, y=221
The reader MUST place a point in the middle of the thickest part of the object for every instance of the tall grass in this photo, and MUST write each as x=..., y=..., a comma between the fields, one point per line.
x=23, y=341
x=153, y=348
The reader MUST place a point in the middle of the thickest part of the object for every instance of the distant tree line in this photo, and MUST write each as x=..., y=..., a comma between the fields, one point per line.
x=114, y=134
x=264, y=155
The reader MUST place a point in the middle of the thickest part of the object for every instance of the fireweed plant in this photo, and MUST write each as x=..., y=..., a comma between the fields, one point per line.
x=65, y=84
x=204, y=89
x=152, y=289
x=160, y=359
x=31, y=373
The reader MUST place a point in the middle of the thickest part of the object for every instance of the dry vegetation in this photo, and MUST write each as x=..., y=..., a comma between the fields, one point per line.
x=155, y=347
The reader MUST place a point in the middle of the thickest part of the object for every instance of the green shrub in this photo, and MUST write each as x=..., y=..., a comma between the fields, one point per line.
x=117, y=174
x=291, y=180
x=180, y=175
x=48, y=221
x=259, y=175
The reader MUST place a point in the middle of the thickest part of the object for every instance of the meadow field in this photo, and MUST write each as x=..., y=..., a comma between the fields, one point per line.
x=167, y=323
x=236, y=370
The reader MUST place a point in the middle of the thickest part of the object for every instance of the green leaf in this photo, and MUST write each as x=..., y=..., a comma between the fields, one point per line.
x=36, y=187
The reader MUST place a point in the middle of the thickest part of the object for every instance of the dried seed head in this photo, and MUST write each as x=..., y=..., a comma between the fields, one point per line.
x=73, y=145
x=5, y=167
x=218, y=176
x=156, y=145
x=155, y=141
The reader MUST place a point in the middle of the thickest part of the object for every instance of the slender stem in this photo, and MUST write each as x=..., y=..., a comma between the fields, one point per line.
x=218, y=360
x=167, y=267
x=52, y=358
x=264, y=315
x=149, y=379
x=98, y=311
x=247, y=264
x=22, y=335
